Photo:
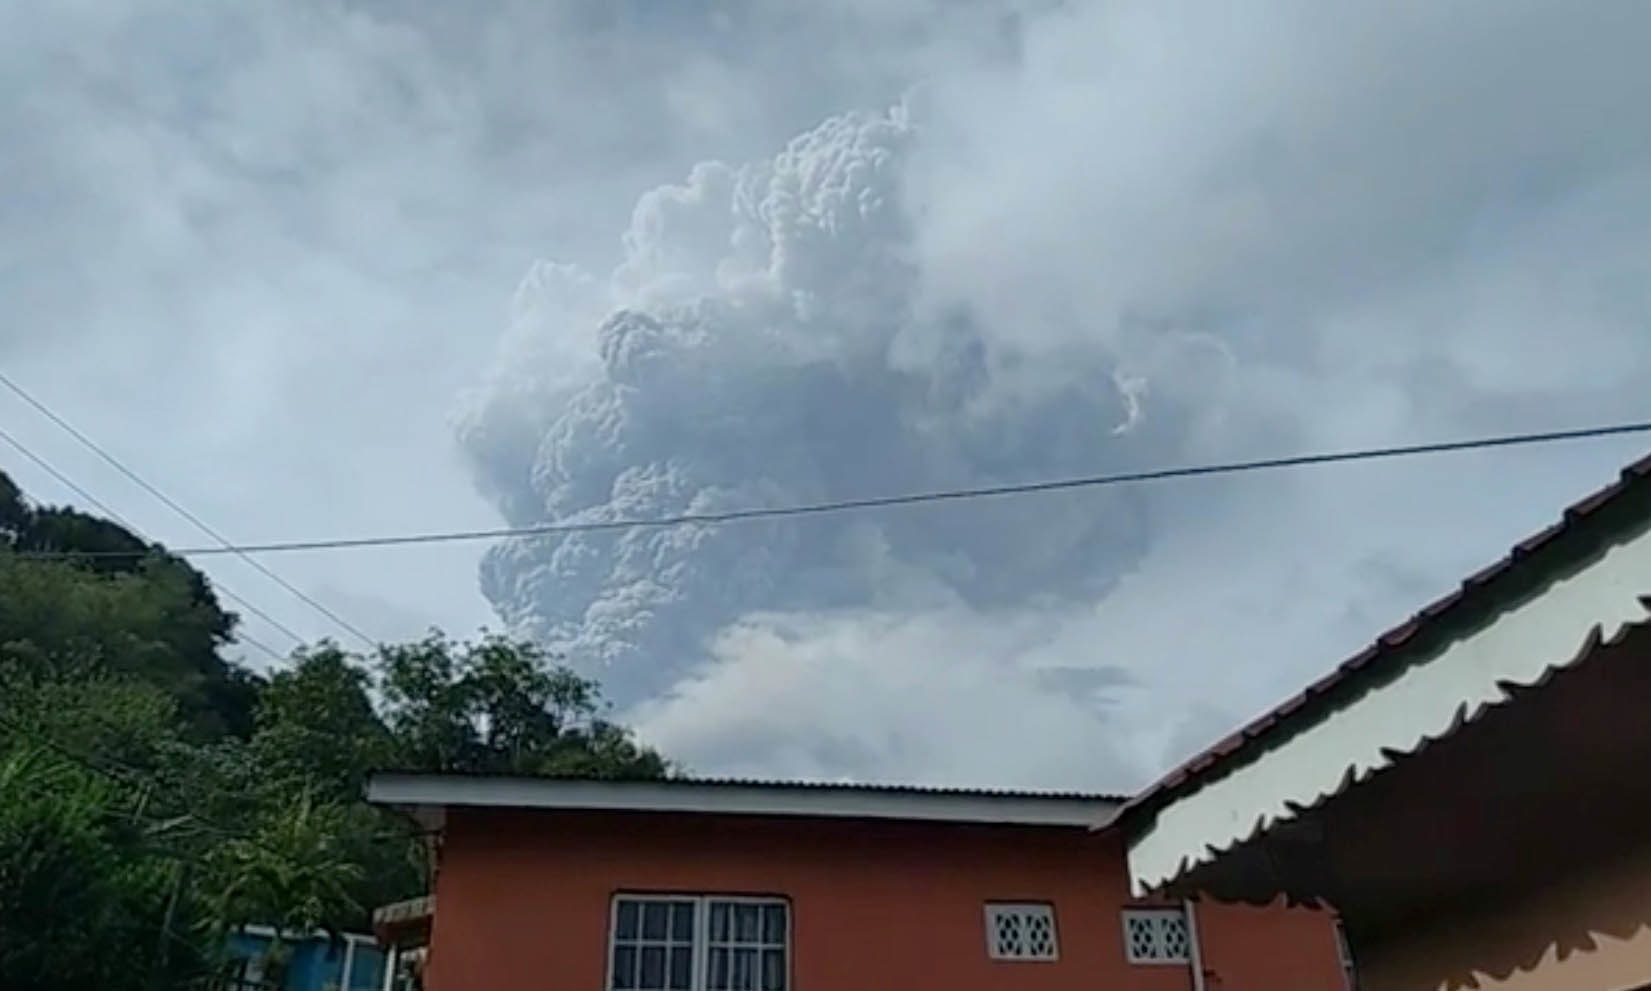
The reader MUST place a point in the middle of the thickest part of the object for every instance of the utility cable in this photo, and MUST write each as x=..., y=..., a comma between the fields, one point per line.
x=104, y=508
x=150, y=783
x=915, y=498
x=224, y=543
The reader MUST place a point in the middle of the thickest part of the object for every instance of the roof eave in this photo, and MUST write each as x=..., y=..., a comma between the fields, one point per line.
x=1621, y=507
x=427, y=795
x=1454, y=684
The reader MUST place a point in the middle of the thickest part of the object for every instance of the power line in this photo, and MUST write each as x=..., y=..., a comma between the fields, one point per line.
x=151, y=783
x=146, y=784
x=113, y=770
x=908, y=499
x=104, y=508
x=224, y=543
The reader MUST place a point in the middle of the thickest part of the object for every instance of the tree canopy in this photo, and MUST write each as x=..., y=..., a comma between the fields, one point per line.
x=154, y=794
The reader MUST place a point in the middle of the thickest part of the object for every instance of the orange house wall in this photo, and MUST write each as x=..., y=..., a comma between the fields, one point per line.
x=523, y=902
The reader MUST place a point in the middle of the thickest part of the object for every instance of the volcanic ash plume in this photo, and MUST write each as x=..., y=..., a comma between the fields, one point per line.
x=765, y=342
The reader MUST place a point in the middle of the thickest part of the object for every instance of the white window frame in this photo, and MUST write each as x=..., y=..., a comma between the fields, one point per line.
x=700, y=943
x=994, y=910
x=1156, y=912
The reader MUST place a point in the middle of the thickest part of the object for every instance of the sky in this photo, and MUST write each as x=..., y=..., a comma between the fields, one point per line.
x=327, y=269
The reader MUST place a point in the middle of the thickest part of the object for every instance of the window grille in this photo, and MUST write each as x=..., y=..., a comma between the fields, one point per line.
x=1156, y=936
x=1021, y=932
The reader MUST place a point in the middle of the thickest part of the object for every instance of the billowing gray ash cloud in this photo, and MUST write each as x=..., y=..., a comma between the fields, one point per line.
x=767, y=345
x=1160, y=237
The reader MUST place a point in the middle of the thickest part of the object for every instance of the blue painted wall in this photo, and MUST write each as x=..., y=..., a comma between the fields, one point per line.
x=317, y=965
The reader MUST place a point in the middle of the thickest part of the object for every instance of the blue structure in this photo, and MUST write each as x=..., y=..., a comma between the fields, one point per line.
x=312, y=963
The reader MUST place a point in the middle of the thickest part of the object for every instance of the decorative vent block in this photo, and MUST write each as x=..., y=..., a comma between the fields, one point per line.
x=1021, y=931
x=1156, y=936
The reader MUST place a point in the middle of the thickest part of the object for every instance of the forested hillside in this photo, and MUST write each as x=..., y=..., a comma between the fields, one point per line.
x=154, y=794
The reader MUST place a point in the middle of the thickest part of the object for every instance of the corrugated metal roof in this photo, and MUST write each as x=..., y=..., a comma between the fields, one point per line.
x=903, y=789
x=815, y=785
x=429, y=796
x=1529, y=560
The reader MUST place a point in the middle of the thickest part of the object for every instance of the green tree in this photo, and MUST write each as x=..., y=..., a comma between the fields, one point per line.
x=87, y=710
x=85, y=812
x=490, y=705
x=84, y=883
x=144, y=613
x=501, y=705
x=319, y=733
x=147, y=787
x=55, y=865
x=291, y=870
x=317, y=726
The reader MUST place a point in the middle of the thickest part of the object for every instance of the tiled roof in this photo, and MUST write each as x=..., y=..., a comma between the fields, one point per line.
x=1625, y=501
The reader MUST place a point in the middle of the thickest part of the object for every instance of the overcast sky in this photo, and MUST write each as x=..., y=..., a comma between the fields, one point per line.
x=334, y=268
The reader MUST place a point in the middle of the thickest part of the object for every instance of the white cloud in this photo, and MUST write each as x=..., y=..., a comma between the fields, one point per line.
x=255, y=250
x=946, y=697
x=1228, y=236
x=258, y=251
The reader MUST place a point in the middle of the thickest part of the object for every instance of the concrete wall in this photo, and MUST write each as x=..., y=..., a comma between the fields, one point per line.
x=523, y=901
x=1591, y=932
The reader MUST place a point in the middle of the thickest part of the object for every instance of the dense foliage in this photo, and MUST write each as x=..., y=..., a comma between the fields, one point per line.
x=154, y=795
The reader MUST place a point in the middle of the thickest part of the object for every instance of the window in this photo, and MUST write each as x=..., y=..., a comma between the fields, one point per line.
x=245, y=973
x=1024, y=931
x=366, y=969
x=695, y=943
x=1156, y=935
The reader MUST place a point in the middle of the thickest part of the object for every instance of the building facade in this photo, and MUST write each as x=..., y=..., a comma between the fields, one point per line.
x=256, y=961
x=696, y=886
